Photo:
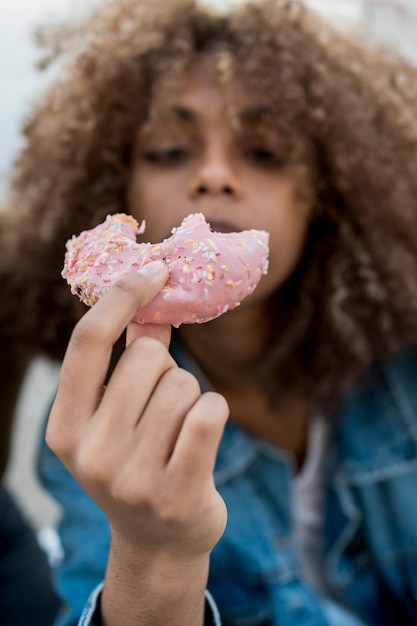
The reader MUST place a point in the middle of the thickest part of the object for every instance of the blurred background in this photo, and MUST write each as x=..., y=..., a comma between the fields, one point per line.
x=392, y=22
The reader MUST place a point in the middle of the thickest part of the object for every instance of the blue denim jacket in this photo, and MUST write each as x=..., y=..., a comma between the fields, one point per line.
x=255, y=577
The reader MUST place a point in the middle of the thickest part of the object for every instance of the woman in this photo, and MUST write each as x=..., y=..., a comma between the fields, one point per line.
x=263, y=118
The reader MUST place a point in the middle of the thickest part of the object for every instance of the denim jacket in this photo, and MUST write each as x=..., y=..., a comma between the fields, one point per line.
x=255, y=577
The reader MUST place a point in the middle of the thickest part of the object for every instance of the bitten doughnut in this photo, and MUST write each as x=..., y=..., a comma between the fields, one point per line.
x=209, y=272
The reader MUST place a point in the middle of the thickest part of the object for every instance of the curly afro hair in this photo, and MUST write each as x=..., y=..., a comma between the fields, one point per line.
x=348, y=116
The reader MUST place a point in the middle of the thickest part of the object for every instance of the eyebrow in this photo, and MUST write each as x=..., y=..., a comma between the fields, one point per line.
x=250, y=115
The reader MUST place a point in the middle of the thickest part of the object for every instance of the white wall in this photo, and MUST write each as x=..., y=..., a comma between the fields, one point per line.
x=21, y=83
x=395, y=23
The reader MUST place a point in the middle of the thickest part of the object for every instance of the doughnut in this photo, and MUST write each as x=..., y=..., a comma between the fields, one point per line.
x=209, y=272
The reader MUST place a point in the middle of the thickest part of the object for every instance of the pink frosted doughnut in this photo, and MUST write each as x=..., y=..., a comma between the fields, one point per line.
x=209, y=272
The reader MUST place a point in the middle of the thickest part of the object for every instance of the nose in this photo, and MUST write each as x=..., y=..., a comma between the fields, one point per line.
x=215, y=176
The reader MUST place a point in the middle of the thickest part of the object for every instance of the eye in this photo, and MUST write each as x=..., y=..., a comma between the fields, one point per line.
x=264, y=155
x=162, y=156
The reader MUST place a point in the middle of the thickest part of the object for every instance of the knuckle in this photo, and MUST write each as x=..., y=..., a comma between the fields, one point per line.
x=149, y=345
x=153, y=351
x=125, y=285
x=208, y=416
x=220, y=407
x=201, y=426
x=185, y=383
x=87, y=332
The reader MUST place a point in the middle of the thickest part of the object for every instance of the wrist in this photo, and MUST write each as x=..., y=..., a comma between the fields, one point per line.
x=152, y=586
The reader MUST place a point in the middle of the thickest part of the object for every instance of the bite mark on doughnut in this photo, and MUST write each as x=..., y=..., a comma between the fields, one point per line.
x=209, y=272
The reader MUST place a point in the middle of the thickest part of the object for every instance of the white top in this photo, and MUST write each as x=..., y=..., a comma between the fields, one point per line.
x=308, y=508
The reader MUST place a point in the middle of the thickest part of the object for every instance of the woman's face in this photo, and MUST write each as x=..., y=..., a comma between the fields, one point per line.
x=193, y=158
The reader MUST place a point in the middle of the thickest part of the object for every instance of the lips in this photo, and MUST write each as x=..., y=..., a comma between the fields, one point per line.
x=220, y=226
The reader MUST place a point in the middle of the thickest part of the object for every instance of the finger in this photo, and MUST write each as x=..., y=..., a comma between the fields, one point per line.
x=161, y=332
x=133, y=382
x=195, y=452
x=87, y=358
x=164, y=415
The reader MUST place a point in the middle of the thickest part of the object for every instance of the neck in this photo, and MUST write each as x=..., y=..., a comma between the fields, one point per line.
x=229, y=350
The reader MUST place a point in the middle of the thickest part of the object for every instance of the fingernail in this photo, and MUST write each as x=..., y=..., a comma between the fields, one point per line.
x=152, y=269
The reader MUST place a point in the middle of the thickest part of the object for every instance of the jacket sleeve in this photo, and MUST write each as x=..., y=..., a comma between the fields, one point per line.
x=91, y=612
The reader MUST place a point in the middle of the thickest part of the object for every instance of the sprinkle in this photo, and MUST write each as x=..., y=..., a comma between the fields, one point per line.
x=209, y=256
x=95, y=259
x=211, y=275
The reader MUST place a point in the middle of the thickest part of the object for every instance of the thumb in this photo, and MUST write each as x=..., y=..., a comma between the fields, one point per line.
x=161, y=332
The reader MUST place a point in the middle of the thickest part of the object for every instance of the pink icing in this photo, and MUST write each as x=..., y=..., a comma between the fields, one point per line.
x=209, y=272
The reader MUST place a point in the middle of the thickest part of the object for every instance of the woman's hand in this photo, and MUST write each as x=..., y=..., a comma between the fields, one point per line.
x=144, y=448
